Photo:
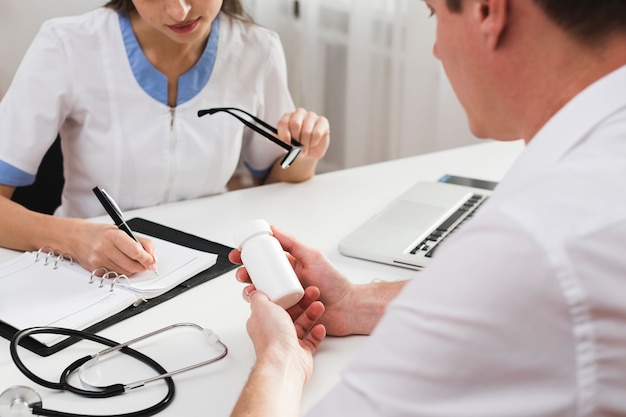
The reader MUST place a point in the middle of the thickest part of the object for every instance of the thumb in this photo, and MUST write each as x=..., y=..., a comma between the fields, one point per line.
x=257, y=296
x=289, y=243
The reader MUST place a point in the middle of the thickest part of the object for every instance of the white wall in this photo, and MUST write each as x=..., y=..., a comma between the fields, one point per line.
x=19, y=22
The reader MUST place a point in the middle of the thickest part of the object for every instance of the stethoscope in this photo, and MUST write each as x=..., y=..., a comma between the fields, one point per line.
x=24, y=401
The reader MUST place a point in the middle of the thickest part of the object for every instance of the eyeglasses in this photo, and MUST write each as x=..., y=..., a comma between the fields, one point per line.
x=263, y=129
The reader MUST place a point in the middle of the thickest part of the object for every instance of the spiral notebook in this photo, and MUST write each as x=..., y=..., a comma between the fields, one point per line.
x=46, y=288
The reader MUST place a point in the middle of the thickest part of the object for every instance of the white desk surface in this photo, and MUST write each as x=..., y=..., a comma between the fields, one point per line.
x=319, y=212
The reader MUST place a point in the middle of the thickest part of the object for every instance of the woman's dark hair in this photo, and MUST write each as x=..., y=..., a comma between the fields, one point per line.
x=589, y=21
x=233, y=8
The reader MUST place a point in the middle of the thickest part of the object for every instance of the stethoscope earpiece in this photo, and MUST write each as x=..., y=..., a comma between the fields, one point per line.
x=18, y=401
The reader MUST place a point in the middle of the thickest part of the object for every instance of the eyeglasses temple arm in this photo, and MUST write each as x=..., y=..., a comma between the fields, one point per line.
x=253, y=126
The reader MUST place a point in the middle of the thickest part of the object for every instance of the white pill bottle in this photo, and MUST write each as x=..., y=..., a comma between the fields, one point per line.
x=267, y=263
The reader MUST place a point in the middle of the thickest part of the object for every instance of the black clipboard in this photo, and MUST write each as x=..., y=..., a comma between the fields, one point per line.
x=160, y=231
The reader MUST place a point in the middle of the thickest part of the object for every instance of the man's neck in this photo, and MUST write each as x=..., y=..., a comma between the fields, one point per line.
x=566, y=69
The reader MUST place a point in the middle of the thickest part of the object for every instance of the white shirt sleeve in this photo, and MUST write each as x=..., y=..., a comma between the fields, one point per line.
x=37, y=101
x=477, y=333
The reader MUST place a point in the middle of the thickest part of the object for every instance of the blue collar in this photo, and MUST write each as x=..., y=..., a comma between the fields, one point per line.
x=154, y=82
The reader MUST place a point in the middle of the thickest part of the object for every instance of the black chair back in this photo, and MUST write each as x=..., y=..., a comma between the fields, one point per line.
x=44, y=195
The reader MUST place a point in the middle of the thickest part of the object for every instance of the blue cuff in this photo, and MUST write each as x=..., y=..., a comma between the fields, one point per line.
x=258, y=173
x=9, y=175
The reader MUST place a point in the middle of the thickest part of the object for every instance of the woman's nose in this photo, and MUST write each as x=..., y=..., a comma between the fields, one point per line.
x=178, y=9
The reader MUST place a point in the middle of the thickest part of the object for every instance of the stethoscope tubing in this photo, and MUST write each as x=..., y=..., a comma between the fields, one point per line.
x=104, y=392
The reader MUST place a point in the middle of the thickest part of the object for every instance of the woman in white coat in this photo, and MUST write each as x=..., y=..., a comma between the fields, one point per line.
x=122, y=85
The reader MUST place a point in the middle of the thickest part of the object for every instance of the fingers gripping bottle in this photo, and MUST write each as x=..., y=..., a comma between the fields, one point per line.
x=267, y=263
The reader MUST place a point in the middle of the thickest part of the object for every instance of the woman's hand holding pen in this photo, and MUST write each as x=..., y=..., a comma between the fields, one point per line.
x=128, y=258
x=101, y=245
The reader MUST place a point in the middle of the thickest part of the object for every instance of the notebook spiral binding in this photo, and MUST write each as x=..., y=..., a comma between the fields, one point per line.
x=113, y=276
x=50, y=252
x=58, y=257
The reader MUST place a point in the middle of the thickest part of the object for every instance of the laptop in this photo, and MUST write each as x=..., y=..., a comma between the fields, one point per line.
x=408, y=231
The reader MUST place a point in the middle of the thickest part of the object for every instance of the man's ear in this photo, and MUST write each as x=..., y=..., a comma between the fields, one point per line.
x=492, y=16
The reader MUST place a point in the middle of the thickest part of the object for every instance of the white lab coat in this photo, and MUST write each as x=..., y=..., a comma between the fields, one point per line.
x=77, y=79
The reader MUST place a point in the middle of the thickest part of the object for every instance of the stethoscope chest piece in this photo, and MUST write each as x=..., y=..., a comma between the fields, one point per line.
x=19, y=401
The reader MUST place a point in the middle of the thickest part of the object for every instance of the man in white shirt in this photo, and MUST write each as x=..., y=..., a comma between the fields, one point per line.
x=522, y=313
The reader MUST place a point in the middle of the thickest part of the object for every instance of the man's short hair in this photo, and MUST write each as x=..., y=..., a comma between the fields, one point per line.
x=589, y=21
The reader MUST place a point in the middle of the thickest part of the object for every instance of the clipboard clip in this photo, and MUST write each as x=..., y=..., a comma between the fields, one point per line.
x=263, y=129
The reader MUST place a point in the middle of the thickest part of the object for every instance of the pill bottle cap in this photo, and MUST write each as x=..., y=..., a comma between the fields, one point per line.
x=249, y=229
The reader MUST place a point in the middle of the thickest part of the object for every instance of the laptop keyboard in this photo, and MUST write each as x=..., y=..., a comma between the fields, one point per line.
x=427, y=246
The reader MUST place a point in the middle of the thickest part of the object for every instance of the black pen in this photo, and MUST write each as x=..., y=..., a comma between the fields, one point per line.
x=114, y=211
